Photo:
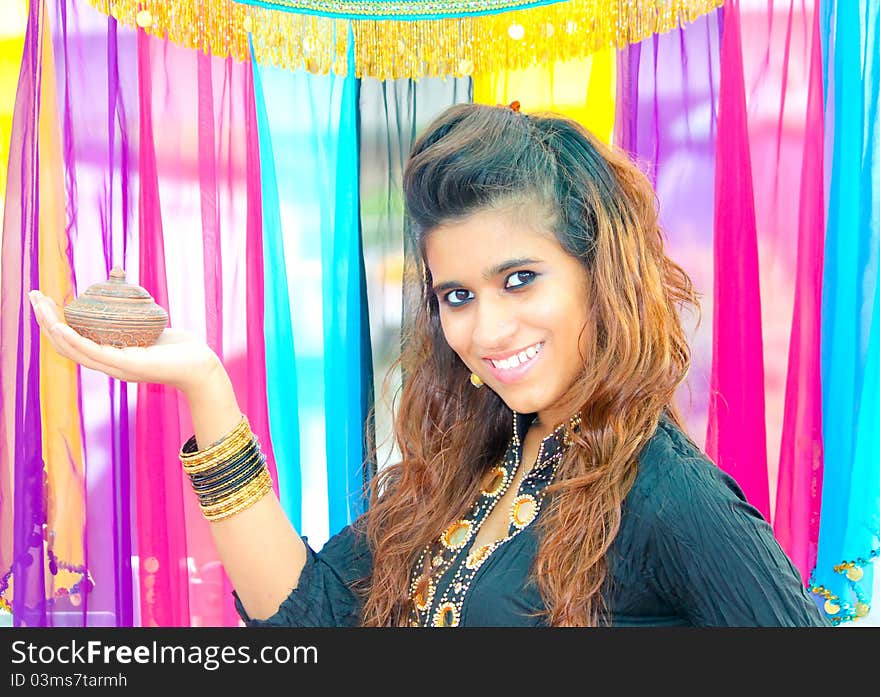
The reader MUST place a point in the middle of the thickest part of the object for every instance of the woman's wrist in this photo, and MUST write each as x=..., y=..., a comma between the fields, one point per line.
x=212, y=403
x=202, y=376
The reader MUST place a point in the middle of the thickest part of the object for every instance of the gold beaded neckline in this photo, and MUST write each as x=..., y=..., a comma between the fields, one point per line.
x=439, y=604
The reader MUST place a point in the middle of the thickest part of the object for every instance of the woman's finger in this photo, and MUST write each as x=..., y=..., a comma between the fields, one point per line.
x=60, y=334
x=126, y=360
x=87, y=352
x=64, y=340
x=106, y=355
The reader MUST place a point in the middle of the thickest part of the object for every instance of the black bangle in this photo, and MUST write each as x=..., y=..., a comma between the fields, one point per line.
x=215, y=497
x=224, y=467
x=253, y=466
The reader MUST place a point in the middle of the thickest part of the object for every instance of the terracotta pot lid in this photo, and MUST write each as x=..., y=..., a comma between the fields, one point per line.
x=117, y=312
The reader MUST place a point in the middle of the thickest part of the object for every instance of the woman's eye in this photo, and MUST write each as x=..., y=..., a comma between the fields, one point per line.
x=520, y=278
x=454, y=298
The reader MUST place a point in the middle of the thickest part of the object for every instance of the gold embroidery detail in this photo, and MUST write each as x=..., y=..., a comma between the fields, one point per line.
x=523, y=510
x=446, y=616
x=476, y=558
x=494, y=481
x=424, y=594
x=457, y=534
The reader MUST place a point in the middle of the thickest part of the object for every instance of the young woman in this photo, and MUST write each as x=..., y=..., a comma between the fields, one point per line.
x=545, y=477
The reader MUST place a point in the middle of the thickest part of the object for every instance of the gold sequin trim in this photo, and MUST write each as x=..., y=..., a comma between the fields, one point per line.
x=395, y=48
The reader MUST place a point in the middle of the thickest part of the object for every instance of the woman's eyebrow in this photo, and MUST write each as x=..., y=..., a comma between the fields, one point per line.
x=489, y=273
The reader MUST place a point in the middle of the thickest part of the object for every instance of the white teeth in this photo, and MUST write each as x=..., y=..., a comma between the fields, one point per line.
x=517, y=360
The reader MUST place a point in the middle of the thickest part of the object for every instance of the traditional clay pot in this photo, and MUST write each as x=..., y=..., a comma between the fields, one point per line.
x=117, y=313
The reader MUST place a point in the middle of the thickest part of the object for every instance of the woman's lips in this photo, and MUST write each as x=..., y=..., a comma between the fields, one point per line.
x=511, y=375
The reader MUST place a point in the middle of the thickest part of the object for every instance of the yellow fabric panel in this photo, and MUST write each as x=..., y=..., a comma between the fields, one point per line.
x=582, y=89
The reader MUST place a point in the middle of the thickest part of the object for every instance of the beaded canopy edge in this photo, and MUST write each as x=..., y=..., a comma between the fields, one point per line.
x=481, y=37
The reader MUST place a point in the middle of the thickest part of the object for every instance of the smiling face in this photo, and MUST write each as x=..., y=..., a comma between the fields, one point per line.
x=512, y=306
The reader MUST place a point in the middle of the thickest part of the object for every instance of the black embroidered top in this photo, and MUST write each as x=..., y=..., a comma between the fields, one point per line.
x=690, y=551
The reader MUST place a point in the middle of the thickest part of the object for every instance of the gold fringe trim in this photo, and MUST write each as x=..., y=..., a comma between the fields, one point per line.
x=391, y=49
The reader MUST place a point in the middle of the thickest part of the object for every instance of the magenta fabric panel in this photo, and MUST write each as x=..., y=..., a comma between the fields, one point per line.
x=207, y=169
x=161, y=524
x=736, y=432
x=799, y=493
x=209, y=193
x=257, y=399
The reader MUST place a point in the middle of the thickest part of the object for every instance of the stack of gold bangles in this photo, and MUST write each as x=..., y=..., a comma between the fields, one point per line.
x=229, y=475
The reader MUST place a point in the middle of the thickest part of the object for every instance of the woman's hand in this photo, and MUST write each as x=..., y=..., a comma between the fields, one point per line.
x=178, y=359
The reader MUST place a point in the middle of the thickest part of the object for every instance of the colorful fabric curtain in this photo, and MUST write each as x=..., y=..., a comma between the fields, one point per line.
x=736, y=396
x=180, y=208
x=24, y=509
x=667, y=97
x=263, y=208
x=582, y=89
x=316, y=253
x=801, y=455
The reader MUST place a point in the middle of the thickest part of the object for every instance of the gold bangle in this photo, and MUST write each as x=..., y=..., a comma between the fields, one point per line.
x=219, y=493
x=228, y=453
x=209, y=477
x=252, y=493
x=248, y=493
x=241, y=428
x=239, y=494
x=240, y=435
x=238, y=509
x=229, y=448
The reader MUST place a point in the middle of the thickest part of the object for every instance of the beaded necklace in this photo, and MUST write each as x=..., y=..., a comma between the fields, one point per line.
x=445, y=611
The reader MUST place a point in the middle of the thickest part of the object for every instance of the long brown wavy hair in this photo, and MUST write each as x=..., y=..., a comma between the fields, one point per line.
x=603, y=211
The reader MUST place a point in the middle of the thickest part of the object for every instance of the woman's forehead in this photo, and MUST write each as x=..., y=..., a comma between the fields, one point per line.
x=487, y=244
x=490, y=228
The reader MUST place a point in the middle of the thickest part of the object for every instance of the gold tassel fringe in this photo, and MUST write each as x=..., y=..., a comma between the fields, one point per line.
x=391, y=49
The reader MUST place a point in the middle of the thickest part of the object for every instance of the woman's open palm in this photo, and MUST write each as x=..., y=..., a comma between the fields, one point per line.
x=178, y=358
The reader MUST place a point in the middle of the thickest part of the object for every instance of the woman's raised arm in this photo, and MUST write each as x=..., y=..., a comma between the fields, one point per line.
x=262, y=553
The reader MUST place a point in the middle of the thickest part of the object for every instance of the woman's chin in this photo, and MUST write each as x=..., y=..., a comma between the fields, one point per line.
x=525, y=404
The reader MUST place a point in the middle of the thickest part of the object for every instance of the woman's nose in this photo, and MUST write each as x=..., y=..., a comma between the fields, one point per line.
x=494, y=327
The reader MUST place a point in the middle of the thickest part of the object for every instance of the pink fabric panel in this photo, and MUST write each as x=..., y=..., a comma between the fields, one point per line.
x=736, y=433
x=161, y=525
x=799, y=497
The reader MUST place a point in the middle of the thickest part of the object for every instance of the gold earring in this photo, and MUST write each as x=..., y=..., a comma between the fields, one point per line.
x=475, y=380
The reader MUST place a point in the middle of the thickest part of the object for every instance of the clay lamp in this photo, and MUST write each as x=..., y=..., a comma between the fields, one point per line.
x=117, y=313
